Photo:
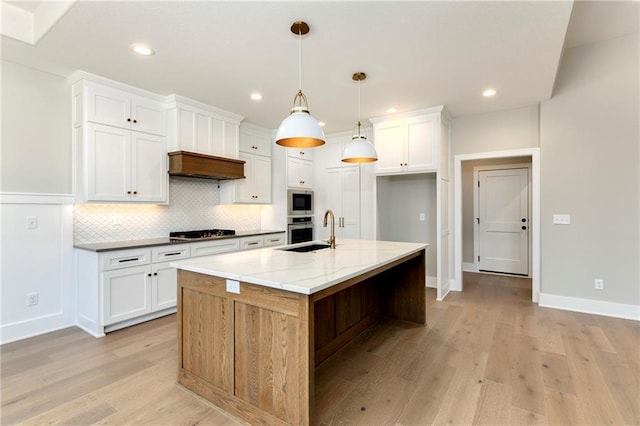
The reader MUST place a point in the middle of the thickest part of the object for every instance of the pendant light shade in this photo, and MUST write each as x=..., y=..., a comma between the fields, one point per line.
x=359, y=150
x=300, y=129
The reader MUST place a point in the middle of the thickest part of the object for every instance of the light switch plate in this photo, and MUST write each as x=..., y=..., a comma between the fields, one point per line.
x=32, y=222
x=562, y=219
x=233, y=286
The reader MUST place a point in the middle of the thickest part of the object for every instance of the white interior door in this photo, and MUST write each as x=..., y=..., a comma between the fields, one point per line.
x=503, y=221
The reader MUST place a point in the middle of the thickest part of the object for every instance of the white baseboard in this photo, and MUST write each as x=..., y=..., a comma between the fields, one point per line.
x=469, y=267
x=590, y=306
x=33, y=327
x=432, y=282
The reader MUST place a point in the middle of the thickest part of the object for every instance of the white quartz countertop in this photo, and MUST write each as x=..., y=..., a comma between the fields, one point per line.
x=305, y=273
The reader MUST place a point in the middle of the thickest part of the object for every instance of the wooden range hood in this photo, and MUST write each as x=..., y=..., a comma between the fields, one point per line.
x=184, y=163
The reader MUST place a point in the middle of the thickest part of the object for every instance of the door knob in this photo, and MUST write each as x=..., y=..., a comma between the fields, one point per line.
x=524, y=228
x=523, y=220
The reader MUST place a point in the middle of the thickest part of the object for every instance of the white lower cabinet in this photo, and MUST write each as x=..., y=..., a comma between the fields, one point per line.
x=120, y=288
x=163, y=286
x=272, y=240
x=127, y=293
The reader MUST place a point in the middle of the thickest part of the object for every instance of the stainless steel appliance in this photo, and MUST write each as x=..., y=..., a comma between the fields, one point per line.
x=300, y=229
x=204, y=234
x=299, y=202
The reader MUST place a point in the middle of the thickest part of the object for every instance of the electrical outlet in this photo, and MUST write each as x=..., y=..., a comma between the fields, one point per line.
x=32, y=299
x=422, y=217
x=598, y=284
x=233, y=286
x=32, y=222
x=117, y=220
x=562, y=219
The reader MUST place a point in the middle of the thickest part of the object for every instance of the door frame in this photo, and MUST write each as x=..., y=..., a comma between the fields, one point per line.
x=534, y=153
x=476, y=200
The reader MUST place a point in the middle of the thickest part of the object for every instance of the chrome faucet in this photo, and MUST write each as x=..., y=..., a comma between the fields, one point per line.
x=332, y=238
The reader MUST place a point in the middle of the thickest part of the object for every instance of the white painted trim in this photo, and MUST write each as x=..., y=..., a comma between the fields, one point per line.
x=424, y=111
x=469, y=267
x=35, y=198
x=432, y=282
x=24, y=329
x=534, y=153
x=590, y=306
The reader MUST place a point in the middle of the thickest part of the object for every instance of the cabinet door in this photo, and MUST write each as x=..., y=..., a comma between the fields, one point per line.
x=343, y=197
x=148, y=168
x=299, y=173
x=390, y=146
x=421, y=146
x=262, y=179
x=301, y=153
x=127, y=293
x=148, y=116
x=254, y=143
x=351, y=202
x=244, y=191
x=106, y=105
x=108, y=160
x=163, y=286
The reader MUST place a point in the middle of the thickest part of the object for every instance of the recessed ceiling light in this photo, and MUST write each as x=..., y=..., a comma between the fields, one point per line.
x=256, y=96
x=487, y=93
x=392, y=110
x=143, y=50
x=321, y=123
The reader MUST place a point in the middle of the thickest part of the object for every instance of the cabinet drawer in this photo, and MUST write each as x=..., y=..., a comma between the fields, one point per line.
x=170, y=253
x=125, y=259
x=274, y=240
x=248, y=243
x=205, y=248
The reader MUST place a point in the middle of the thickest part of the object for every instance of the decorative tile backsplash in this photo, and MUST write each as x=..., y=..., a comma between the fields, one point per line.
x=193, y=204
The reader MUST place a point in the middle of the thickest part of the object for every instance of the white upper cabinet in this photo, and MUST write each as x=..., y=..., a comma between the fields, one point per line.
x=302, y=153
x=299, y=173
x=255, y=150
x=204, y=129
x=119, y=142
x=408, y=144
x=114, y=107
x=255, y=142
x=124, y=166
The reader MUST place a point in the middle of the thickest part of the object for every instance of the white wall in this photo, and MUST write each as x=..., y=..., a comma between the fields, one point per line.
x=36, y=134
x=401, y=199
x=590, y=157
x=36, y=181
x=495, y=131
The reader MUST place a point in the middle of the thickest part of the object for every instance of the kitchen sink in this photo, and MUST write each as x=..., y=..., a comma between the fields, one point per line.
x=309, y=247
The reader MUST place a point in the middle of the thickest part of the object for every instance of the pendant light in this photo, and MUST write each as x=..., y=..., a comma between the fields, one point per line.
x=359, y=150
x=300, y=129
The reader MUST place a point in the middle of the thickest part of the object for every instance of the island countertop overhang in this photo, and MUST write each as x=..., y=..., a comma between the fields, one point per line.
x=304, y=273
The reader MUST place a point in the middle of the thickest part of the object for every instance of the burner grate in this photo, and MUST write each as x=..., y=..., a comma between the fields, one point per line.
x=201, y=234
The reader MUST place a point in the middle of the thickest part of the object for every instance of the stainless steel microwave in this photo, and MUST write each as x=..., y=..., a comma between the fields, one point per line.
x=299, y=202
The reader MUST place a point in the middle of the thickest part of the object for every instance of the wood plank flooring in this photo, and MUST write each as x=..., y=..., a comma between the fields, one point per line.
x=487, y=356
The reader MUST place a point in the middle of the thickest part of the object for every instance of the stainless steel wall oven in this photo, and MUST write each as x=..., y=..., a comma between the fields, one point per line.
x=300, y=229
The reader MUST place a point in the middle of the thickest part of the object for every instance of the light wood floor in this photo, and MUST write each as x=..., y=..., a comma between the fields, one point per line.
x=487, y=356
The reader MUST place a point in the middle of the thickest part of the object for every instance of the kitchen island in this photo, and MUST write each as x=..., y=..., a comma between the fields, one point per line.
x=252, y=326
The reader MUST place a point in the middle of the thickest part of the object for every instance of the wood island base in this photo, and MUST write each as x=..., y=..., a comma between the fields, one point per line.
x=254, y=354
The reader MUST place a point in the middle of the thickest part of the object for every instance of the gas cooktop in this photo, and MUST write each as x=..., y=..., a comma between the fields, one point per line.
x=201, y=235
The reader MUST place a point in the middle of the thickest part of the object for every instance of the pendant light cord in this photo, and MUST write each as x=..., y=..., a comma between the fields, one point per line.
x=300, y=59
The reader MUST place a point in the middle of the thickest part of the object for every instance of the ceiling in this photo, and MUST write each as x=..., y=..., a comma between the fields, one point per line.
x=416, y=54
